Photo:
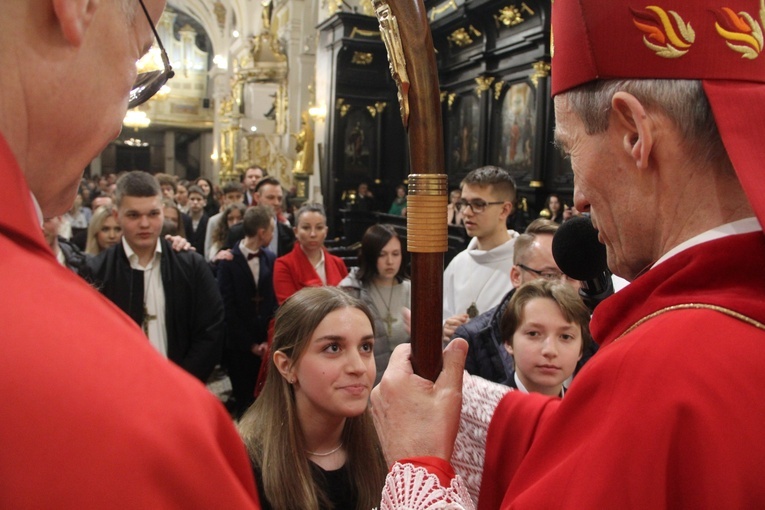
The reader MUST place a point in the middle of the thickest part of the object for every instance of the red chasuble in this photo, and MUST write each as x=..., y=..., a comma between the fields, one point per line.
x=668, y=414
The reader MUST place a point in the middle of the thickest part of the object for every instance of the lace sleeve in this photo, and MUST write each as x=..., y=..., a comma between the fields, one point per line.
x=408, y=487
x=479, y=401
x=414, y=488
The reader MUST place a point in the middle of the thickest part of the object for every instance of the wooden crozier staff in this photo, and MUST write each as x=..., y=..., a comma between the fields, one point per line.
x=406, y=33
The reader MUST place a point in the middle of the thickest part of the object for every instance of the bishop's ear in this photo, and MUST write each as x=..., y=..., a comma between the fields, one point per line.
x=636, y=127
x=74, y=17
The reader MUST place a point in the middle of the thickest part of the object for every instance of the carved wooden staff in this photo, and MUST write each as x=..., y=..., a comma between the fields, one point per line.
x=406, y=33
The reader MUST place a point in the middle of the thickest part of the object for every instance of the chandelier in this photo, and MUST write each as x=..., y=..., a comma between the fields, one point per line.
x=136, y=119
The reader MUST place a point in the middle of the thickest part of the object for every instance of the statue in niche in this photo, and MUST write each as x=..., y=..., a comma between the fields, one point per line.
x=304, y=147
x=268, y=11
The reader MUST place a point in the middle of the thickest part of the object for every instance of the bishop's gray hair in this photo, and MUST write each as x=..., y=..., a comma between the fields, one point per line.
x=682, y=101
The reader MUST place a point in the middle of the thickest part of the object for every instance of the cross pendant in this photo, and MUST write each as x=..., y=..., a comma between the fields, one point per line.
x=146, y=318
x=389, y=324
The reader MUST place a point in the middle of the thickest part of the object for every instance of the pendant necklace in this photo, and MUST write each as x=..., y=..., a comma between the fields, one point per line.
x=147, y=317
x=388, y=320
x=326, y=454
x=472, y=310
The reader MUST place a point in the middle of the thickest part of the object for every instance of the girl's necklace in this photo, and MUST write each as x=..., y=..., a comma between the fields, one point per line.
x=326, y=454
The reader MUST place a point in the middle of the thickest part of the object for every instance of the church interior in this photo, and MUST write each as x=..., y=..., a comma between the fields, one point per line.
x=304, y=89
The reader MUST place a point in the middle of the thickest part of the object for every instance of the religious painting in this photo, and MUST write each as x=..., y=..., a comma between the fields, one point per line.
x=517, y=137
x=358, y=143
x=463, y=139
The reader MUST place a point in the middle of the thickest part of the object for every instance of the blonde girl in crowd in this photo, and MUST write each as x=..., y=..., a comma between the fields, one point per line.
x=103, y=230
x=233, y=214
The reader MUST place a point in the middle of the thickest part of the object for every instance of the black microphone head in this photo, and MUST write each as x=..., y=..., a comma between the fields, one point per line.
x=577, y=251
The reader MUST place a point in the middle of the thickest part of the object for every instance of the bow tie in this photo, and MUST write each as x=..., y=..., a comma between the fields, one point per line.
x=251, y=256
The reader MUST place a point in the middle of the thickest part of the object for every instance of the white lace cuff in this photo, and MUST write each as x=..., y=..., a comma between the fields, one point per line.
x=479, y=401
x=413, y=488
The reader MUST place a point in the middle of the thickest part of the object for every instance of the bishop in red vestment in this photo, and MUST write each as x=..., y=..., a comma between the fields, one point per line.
x=655, y=105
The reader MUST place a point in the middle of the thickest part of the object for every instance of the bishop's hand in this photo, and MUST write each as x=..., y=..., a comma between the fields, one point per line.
x=415, y=417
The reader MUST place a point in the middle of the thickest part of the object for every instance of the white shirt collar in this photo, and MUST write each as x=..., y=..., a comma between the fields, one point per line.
x=523, y=389
x=518, y=383
x=133, y=258
x=745, y=226
x=245, y=250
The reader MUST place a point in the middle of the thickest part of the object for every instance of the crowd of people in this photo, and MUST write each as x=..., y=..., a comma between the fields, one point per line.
x=525, y=413
x=240, y=290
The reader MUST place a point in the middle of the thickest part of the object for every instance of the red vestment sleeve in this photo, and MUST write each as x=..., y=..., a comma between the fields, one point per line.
x=511, y=432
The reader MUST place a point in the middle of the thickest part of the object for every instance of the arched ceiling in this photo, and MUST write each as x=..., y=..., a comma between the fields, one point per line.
x=220, y=18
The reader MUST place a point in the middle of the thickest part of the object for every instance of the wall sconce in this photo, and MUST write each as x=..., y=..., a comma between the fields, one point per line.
x=318, y=113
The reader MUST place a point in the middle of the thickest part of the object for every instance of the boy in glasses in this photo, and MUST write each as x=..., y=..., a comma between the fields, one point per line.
x=478, y=277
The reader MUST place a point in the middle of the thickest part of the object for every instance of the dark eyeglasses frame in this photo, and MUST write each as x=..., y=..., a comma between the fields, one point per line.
x=543, y=274
x=477, y=208
x=146, y=85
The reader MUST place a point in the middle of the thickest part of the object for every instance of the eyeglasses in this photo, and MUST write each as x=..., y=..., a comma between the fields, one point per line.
x=547, y=275
x=148, y=84
x=477, y=205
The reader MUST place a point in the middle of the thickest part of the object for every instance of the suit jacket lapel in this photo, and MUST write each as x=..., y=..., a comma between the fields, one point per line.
x=241, y=262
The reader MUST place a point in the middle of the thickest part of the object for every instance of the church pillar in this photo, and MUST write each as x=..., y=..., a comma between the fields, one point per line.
x=170, y=153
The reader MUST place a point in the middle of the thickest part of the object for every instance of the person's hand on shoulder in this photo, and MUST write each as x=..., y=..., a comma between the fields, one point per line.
x=179, y=243
x=223, y=255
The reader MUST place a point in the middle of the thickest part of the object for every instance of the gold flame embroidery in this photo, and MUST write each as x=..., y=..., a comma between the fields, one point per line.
x=741, y=31
x=664, y=38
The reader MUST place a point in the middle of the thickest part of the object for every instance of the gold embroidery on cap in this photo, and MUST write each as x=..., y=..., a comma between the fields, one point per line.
x=740, y=30
x=664, y=38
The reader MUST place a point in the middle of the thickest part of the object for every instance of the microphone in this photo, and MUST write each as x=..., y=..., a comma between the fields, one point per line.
x=581, y=256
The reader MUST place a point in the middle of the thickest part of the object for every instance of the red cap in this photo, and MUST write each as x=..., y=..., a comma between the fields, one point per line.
x=720, y=42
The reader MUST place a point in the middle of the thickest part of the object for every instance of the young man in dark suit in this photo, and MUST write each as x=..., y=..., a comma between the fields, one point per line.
x=171, y=295
x=246, y=284
x=271, y=194
x=195, y=223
